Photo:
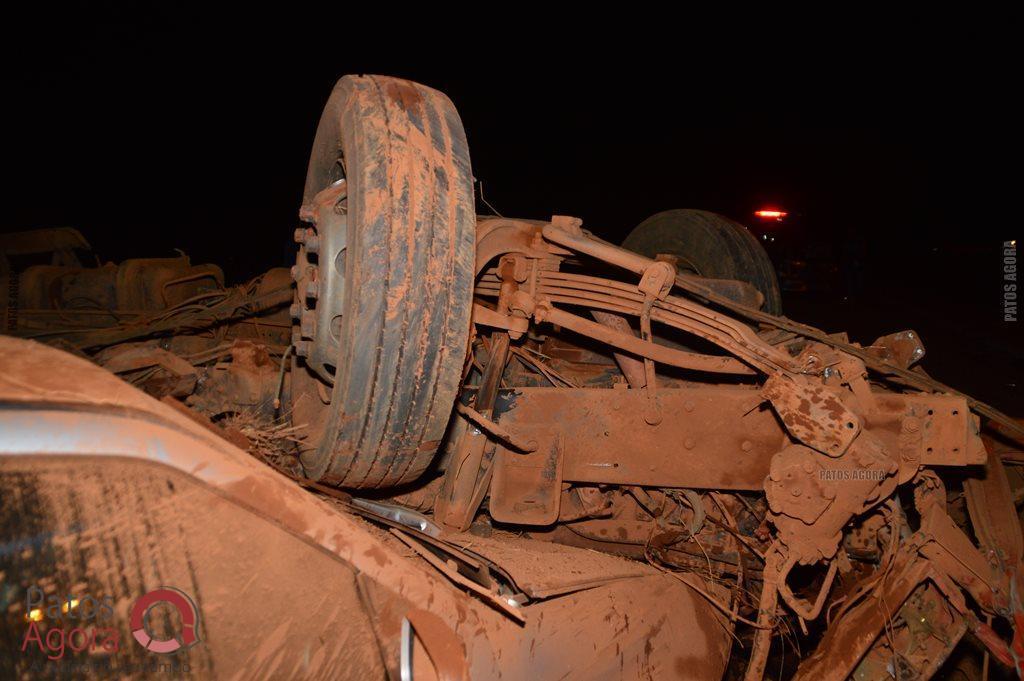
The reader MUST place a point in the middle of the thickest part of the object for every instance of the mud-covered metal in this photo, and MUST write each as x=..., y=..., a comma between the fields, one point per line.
x=584, y=462
x=126, y=494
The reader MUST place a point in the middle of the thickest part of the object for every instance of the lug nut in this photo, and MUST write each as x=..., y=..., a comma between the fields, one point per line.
x=300, y=235
x=302, y=348
x=313, y=289
x=295, y=311
x=312, y=243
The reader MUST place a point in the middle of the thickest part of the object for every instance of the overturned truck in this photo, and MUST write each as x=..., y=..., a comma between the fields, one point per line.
x=536, y=415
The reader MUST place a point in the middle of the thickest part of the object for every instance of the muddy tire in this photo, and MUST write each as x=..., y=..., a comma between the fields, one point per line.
x=407, y=272
x=709, y=245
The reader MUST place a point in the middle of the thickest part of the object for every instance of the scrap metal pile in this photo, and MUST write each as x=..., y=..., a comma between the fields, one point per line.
x=484, y=373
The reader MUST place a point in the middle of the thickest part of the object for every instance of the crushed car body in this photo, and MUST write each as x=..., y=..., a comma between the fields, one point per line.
x=472, y=446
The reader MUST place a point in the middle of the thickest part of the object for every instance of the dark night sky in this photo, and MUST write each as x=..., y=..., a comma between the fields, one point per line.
x=166, y=130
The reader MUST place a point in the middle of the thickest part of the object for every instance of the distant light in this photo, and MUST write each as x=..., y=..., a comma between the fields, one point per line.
x=770, y=214
x=34, y=615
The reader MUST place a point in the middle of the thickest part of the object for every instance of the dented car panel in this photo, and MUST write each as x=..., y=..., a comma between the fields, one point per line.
x=120, y=494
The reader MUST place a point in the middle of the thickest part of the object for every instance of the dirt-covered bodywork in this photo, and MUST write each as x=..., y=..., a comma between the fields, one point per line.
x=107, y=493
x=491, y=392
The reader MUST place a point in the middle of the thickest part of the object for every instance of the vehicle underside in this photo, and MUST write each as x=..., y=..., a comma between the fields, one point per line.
x=467, y=382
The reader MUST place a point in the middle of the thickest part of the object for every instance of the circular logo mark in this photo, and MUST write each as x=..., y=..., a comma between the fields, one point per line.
x=186, y=610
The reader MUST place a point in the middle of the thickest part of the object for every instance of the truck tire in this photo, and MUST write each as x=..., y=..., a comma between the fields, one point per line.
x=709, y=245
x=407, y=280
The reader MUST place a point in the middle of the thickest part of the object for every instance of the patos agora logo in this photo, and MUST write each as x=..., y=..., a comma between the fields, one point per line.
x=94, y=629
